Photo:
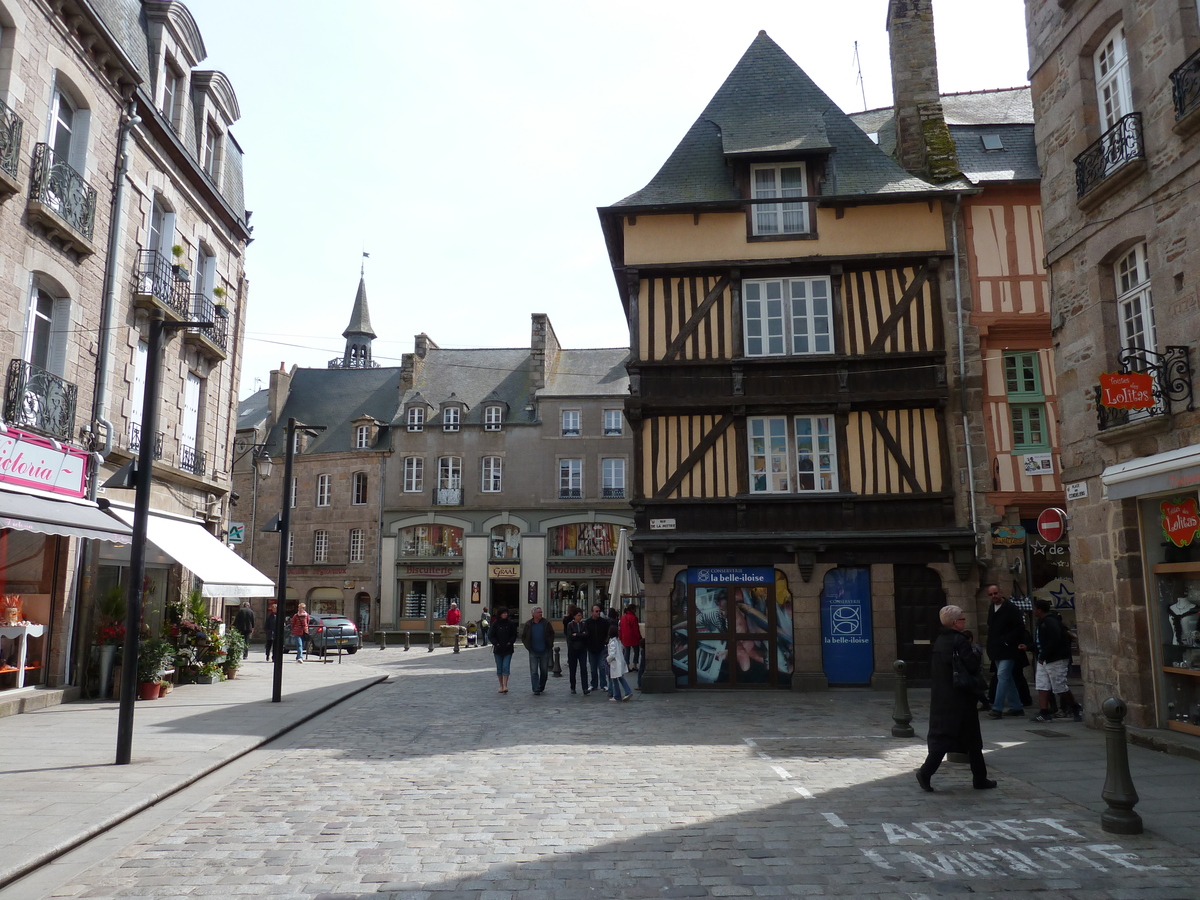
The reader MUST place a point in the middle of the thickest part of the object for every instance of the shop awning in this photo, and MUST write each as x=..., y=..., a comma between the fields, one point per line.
x=70, y=518
x=1174, y=470
x=224, y=573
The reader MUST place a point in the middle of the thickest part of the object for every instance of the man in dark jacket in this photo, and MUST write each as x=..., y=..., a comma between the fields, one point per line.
x=597, y=648
x=1053, y=643
x=577, y=642
x=269, y=626
x=244, y=623
x=1005, y=644
x=538, y=637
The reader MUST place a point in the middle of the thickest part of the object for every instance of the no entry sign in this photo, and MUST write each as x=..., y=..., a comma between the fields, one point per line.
x=1052, y=525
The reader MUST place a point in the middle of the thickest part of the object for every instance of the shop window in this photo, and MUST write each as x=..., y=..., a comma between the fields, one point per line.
x=798, y=459
x=614, y=423
x=358, y=489
x=357, y=543
x=779, y=181
x=414, y=473
x=323, y=487
x=788, y=316
x=506, y=542
x=570, y=423
x=570, y=479
x=583, y=539
x=492, y=469
x=431, y=540
x=320, y=546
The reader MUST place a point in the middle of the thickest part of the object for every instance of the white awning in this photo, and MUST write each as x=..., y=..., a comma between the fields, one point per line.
x=223, y=572
x=71, y=518
x=1173, y=470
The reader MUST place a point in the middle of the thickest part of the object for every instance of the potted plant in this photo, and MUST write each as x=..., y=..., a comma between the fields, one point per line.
x=110, y=635
x=153, y=656
x=235, y=646
x=181, y=272
x=209, y=673
x=219, y=306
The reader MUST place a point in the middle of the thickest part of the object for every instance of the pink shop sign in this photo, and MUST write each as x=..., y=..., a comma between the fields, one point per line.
x=37, y=462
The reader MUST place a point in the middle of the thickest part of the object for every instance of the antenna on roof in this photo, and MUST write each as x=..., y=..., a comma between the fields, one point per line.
x=859, y=78
x=362, y=269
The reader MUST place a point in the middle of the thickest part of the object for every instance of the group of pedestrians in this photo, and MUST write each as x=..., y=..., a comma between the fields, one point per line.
x=957, y=685
x=601, y=650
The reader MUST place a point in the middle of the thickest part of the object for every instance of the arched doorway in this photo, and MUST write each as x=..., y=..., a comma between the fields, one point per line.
x=362, y=612
x=326, y=600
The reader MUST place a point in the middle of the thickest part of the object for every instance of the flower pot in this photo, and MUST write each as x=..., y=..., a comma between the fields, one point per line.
x=108, y=654
x=230, y=673
x=165, y=688
x=207, y=679
x=148, y=690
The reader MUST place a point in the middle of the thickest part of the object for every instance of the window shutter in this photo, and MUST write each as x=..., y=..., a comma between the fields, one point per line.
x=60, y=334
x=191, y=411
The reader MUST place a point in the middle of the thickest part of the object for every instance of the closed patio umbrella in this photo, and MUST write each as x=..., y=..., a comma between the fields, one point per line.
x=624, y=581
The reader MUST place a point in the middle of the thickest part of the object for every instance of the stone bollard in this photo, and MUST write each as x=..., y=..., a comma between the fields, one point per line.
x=457, y=638
x=901, y=714
x=432, y=637
x=557, y=670
x=1119, y=792
x=407, y=640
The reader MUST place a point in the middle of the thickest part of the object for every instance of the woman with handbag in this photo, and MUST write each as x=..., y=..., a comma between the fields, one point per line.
x=504, y=639
x=953, y=719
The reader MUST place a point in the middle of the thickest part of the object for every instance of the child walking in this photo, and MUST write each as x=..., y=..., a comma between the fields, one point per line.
x=617, y=667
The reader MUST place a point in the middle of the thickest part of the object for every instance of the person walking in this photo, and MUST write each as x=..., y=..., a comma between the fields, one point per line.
x=953, y=719
x=538, y=637
x=485, y=624
x=300, y=631
x=1005, y=645
x=630, y=632
x=269, y=625
x=1053, y=643
x=617, y=667
x=576, y=632
x=597, y=647
x=504, y=639
x=244, y=623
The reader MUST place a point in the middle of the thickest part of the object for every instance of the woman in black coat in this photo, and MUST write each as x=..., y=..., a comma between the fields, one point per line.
x=953, y=721
x=503, y=635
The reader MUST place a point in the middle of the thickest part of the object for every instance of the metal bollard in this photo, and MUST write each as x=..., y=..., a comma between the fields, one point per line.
x=456, y=639
x=1119, y=792
x=557, y=670
x=407, y=640
x=901, y=714
x=382, y=635
x=432, y=635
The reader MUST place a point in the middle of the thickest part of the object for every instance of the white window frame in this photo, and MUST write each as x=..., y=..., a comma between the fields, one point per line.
x=291, y=546
x=173, y=92
x=212, y=150
x=54, y=327
x=779, y=460
x=612, y=478
x=1113, y=90
x=189, y=426
x=492, y=474
x=362, y=437
x=415, y=420
x=493, y=417
x=324, y=486
x=320, y=546
x=788, y=316
x=357, y=544
x=76, y=130
x=614, y=423
x=570, y=479
x=1135, y=303
x=358, y=488
x=295, y=490
x=572, y=425
x=414, y=474
x=137, y=401
x=205, y=276
x=778, y=219
x=449, y=473
x=451, y=418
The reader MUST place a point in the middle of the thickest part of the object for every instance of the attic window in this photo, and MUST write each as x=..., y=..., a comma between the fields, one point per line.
x=416, y=419
x=493, y=417
x=992, y=142
x=450, y=418
x=779, y=181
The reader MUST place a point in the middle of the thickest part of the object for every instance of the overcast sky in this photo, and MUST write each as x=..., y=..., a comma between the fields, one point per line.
x=465, y=144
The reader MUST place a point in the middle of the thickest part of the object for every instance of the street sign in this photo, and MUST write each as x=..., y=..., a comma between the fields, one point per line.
x=237, y=532
x=1052, y=525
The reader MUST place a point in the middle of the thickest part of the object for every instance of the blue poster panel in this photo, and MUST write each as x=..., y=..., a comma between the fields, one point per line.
x=846, y=645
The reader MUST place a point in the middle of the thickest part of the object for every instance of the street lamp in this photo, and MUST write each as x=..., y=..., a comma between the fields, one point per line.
x=143, y=474
x=282, y=524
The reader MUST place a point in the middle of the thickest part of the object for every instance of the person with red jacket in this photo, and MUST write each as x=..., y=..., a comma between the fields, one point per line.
x=630, y=632
x=453, y=614
x=300, y=631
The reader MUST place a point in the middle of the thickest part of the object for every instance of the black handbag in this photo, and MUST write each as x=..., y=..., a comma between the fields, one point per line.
x=972, y=683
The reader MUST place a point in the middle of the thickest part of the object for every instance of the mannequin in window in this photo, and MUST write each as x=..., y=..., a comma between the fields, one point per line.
x=1185, y=617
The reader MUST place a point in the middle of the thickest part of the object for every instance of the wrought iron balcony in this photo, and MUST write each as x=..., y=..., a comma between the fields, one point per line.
x=447, y=496
x=204, y=310
x=192, y=460
x=570, y=493
x=1185, y=86
x=1118, y=146
x=135, y=440
x=10, y=140
x=1171, y=372
x=156, y=277
x=341, y=362
x=62, y=190
x=613, y=493
x=39, y=401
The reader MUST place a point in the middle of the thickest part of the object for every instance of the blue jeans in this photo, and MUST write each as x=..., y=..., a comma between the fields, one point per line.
x=539, y=668
x=620, y=688
x=300, y=639
x=597, y=664
x=1006, y=688
x=503, y=663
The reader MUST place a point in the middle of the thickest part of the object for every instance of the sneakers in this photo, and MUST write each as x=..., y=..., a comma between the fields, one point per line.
x=1062, y=714
x=1044, y=717
x=995, y=714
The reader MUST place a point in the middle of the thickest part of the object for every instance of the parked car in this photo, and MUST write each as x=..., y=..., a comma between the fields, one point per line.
x=323, y=634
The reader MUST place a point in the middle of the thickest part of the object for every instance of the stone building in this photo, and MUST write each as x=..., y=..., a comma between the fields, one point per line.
x=123, y=194
x=1117, y=106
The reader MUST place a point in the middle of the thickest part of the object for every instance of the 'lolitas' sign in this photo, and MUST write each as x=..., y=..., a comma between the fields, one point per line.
x=38, y=462
x=1180, y=520
x=1126, y=390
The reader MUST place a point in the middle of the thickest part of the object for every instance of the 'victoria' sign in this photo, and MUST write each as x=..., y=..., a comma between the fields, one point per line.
x=1126, y=390
x=37, y=462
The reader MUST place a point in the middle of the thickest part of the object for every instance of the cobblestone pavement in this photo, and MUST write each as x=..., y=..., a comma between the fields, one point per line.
x=433, y=786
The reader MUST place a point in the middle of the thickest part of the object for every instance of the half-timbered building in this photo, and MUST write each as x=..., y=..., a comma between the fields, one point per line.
x=800, y=469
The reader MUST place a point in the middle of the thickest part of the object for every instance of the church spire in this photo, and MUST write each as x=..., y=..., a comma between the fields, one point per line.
x=358, y=334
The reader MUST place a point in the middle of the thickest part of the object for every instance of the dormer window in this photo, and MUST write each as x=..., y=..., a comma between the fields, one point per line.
x=212, y=150
x=416, y=418
x=173, y=92
x=493, y=418
x=785, y=180
x=362, y=437
x=451, y=417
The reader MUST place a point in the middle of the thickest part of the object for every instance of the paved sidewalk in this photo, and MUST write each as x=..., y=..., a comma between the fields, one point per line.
x=61, y=787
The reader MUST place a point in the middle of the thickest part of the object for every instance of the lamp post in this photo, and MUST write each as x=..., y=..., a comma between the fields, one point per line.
x=283, y=527
x=141, y=516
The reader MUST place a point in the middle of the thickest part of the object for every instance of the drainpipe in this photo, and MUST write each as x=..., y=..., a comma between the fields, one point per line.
x=962, y=372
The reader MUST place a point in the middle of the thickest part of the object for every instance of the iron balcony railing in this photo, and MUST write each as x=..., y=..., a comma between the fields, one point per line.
x=447, y=496
x=39, y=401
x=613, y=493
x=63, y=190
x=135, y=440
x=204, y=310
x=1171, y=372
x=10, y=139
x=155, y=277
x=1185, y=86
x=192, y=460
x=359, y=362
x=1119, y=145
x=570, y=493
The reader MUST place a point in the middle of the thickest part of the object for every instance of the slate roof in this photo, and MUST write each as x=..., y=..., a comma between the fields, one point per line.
x=360, y=316
x=252, y=412
x=768, y=105
x=589, y=373
x=335, y=398
x=1006, y=113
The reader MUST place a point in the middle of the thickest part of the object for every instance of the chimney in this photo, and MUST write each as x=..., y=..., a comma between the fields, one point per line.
x=277, y=393
x=423, y=343
x=923, y=143
x=543, y=349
